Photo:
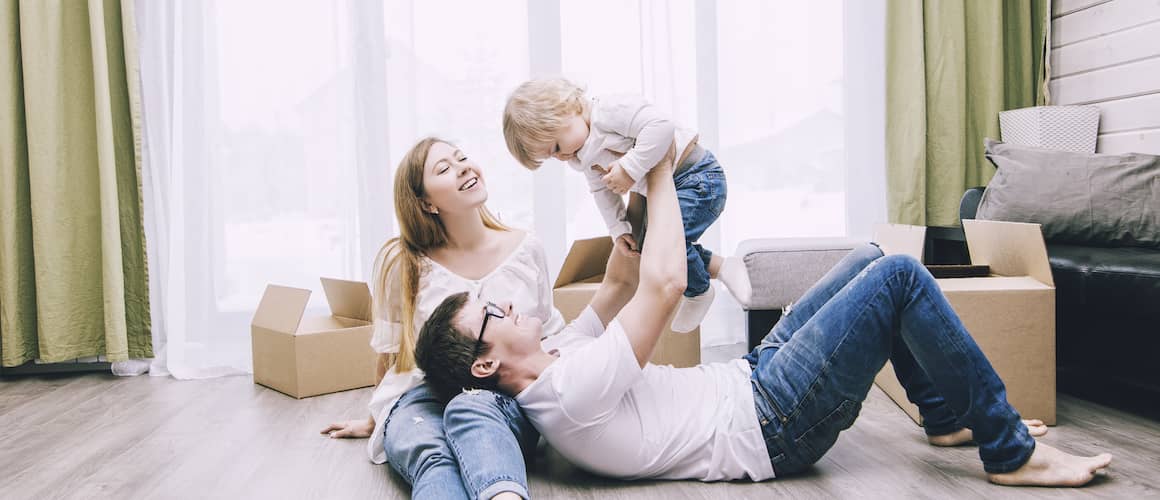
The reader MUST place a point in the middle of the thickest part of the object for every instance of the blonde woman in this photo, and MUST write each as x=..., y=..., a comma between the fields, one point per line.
x=449, y=242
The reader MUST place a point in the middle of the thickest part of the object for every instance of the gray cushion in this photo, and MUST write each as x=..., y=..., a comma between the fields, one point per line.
x=782, y=269
x=1093, y=199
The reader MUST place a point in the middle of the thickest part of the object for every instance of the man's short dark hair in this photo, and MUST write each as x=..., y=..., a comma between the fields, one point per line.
x=445, y=353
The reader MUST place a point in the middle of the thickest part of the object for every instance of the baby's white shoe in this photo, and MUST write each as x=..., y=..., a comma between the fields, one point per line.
x=692, y=311
x=735, y=276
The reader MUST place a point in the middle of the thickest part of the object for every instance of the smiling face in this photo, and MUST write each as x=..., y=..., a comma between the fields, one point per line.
x=453, y=183
x=569, y=139
x=513, y=335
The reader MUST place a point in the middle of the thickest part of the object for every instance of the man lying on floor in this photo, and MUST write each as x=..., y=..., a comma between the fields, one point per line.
x=774, y=412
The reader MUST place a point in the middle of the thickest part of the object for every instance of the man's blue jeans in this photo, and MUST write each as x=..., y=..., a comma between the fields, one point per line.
x=470, y=448
x=814, y=369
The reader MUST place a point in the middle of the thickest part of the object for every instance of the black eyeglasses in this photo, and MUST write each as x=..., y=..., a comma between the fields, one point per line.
x=489, y=311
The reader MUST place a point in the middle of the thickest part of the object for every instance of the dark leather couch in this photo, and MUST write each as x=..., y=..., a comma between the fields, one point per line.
x=1107, y=319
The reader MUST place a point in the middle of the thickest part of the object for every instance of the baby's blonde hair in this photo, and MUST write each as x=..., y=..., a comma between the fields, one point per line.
x=535, y=112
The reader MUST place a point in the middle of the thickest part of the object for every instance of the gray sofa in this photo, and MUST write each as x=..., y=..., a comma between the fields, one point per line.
x=781, y=270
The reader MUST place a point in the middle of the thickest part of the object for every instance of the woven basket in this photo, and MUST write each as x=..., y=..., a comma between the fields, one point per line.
x=1067, y=128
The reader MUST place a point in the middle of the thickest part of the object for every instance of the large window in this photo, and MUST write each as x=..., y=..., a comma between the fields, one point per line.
x=450, y=67
x=778, y=94
x=286, y=190
x=274, y=127
x=608, y=64
x=780, y=79
x=279, y=186
x=286, y=114
x=648, y=49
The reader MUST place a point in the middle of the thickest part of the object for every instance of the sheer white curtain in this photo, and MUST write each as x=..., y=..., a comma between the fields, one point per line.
x=266, y=162
x=451, y=66
x=273, y=127
x=644, y=47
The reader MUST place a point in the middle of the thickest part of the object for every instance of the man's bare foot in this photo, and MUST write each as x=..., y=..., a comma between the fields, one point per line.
x=961, y=436
x=1035, y=427
x=1051, y=467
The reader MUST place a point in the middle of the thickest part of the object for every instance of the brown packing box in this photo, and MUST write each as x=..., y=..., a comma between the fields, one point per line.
x=580, y=277
x=1010, y=314
x=307, y=356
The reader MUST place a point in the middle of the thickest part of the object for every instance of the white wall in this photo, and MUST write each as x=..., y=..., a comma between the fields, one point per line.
x=1107, y=53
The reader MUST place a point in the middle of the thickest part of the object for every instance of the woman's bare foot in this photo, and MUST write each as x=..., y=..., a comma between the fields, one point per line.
x=1035, y=427
x=1051, y=467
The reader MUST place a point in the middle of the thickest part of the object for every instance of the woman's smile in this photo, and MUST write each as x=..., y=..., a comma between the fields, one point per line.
x=470, y=184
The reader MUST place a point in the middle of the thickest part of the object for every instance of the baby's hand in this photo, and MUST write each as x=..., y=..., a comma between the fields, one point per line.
x=616, y=179
x=626, y=244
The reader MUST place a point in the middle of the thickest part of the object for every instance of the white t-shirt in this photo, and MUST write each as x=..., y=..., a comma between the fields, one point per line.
x=601, y=411
x=522, y=278
x=625, y=128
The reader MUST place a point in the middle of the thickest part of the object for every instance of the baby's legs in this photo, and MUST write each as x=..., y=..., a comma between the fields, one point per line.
x=700, y=208
x=701, y=197
x=699, y=292
x=733, y=273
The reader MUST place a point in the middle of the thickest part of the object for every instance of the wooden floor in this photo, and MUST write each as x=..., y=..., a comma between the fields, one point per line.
x=98, y=436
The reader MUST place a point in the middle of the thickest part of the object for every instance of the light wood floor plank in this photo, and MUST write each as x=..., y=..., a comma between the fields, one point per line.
x=97, y=436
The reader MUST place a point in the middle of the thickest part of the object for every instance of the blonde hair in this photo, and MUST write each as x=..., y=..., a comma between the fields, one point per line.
x=535, y=112
x=399, y=262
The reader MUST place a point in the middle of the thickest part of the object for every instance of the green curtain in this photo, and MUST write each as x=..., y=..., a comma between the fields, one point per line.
x=73, y=279
x=951, y=67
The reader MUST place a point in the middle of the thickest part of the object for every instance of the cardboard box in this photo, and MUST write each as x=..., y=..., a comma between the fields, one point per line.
x=580, y=277
x=307, y=356
x=1010, y=314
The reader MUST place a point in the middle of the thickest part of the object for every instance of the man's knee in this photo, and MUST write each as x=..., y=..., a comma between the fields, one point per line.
x=868, y=252
x=900, y=262
x=903, y=266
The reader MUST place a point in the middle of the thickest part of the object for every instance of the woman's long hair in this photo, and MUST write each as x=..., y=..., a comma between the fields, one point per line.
x=399, y=263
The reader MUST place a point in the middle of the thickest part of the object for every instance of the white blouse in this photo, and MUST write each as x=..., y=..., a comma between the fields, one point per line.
x=522, y=278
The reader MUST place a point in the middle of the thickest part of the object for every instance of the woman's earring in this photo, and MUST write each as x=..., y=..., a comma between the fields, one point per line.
x=433, y=210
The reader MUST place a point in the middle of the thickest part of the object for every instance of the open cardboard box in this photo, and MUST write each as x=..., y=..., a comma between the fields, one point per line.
x=307, y=356
x=580, y=277
x=1010, y=314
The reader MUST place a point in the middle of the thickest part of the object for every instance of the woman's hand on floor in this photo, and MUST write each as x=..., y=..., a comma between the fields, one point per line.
x=350, y=429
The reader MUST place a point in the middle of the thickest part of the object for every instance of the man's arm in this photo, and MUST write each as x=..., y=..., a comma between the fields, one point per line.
x=662, y=266
x=622, y=274
x=617, y=288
